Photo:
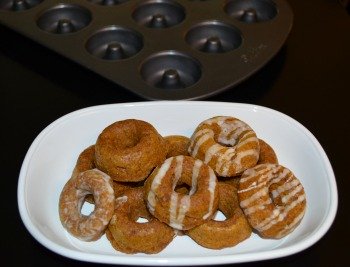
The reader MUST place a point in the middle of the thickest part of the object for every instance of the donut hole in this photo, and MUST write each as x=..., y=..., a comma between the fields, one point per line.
x=87, y=207
x=275, y=195
x=219, y=216
x=182, y=189
x=132, y=138
x=142, y=220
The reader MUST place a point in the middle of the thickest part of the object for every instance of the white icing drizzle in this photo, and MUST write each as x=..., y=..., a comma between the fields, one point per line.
x=203, y=136
x=211, y=189
x=233, y=133
x=272, y=174
x=178, y=211
x=151, y=197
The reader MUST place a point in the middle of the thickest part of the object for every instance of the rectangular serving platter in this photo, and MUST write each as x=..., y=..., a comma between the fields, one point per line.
x=51, y=158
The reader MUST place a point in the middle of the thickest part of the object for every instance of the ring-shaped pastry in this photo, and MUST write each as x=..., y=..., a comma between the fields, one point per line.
x=129, y=150
x=272, y=199
x=180, y=210
x=128, y=235
x=225, y=143
x=229, y=232
x=87, y=227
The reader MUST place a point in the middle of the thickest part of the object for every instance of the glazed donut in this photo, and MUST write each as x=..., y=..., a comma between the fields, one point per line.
x=129, y=236
x=129, y=150
x=91, y=227
x=267, y=154
x=177, y=145
x=272, y=199
x=226, y=144
x=179, y=210
x=222, y=234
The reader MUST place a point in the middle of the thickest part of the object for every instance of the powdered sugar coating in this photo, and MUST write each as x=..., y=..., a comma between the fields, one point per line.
x=83, y=227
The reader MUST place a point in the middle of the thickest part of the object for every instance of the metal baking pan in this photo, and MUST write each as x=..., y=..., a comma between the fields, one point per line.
x=158, y=49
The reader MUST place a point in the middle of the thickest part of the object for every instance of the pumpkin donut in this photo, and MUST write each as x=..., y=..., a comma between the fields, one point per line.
x=226, y=144
x=228, y=233
x=129, y=150
x=129, y=236
x=267, y=154
x=272, y=199
x=86, y=161
x=180, y=210
x=91, y=227
x=177, y=145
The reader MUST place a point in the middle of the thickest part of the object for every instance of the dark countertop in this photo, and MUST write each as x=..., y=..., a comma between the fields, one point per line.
x=307, y=80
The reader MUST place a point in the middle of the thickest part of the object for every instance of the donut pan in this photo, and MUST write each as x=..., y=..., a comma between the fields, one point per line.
x=158, y=49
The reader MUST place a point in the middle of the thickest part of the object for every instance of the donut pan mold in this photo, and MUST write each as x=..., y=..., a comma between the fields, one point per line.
x=158, y=49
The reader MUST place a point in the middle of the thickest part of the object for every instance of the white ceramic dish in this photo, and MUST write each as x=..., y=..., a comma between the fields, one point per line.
x=51, y=158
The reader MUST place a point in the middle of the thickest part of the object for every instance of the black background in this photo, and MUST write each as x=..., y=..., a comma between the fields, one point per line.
x=308, y=80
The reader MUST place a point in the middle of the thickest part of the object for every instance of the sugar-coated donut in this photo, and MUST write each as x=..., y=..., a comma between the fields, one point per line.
x=272, y=199
x=129, y=150
x=267, y=154
x=225, y=143
x=129, y=236
x=87, y=227
x=180, y=210
x=177, y=145
x=228, y=233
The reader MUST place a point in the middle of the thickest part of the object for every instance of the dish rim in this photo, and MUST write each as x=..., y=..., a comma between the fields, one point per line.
x=148, y=260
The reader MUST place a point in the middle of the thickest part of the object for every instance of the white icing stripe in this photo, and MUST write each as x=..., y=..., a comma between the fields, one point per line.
x=202, y=139
x=211, y=189
x=263, y=192
x=246, y=141
x=178, y=169
x=291, y=226
x=283, y=212
x=224, y=161
x=151, y=197
x=211, y=151
x=195, y=173
x=173, y=207
x=256, y=208
x=261, y=183
x=286, y=198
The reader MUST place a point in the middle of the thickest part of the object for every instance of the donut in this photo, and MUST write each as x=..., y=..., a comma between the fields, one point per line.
x=272, y=199
x=226, y=144
x=87, y=227
x=177, y=145
x=85, y=161
x=267, y=154
x=229, y=232
x=180, y=210
x=129, y=150
x=129, y=236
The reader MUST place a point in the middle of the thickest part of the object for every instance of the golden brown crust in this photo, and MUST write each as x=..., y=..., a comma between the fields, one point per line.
x=272, y=199
x=129, y=236
x=228, y=233
x=182, y=211
x=85, y=161
x=91, y=227
x=267, y=154
x=226, y=144
x=177, y=145
x=129, y=150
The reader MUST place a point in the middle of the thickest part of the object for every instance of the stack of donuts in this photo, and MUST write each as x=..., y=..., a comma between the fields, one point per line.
x=178, y=185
